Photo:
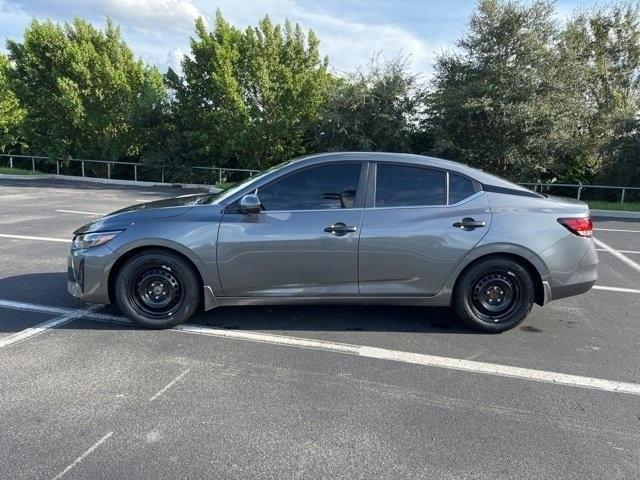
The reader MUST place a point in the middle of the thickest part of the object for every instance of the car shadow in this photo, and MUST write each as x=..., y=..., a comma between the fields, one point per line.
x=50, y=289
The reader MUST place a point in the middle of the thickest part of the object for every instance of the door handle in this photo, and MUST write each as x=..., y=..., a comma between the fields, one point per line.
x=338, y=229
x=468, y=223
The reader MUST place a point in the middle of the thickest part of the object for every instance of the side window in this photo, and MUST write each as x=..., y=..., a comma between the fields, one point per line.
x=460, y=188
x=316, y=188
x=405, y=186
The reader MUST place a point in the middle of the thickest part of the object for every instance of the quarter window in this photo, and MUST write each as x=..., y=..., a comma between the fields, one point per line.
x=317, y=188
x=459, y=188
x=405, y=186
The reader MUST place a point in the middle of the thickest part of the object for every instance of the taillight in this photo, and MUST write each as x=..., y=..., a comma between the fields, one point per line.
x=582, y=227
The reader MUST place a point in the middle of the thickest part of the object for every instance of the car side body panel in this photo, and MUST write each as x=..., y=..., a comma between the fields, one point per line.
x=288, y=253
x=412, y=250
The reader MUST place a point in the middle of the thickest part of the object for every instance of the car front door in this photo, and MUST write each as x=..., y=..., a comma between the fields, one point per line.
x=418, y=225
x=304, y=242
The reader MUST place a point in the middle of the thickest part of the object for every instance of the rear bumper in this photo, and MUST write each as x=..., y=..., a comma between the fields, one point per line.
x=87, y=276
x=573, y=266
x=563, y=291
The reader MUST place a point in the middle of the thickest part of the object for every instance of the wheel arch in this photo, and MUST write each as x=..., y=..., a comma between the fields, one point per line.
x=130, y=253
x=527, y=263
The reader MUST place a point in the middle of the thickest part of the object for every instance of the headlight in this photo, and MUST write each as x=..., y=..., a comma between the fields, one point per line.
x=90, y=240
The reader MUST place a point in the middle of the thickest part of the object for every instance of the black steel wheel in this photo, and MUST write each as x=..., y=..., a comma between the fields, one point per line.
x=494, y=295
x=157, y=289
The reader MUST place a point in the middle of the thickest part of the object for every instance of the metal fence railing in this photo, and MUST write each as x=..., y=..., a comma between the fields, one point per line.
x=596, y=192
x=126, y=170
x=212, y=175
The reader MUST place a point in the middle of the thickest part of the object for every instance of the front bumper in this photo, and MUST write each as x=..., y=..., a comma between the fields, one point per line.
x=88, y=275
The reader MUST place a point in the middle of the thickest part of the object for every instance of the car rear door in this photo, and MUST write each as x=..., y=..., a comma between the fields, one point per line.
x=419, y=223
x=304, y=242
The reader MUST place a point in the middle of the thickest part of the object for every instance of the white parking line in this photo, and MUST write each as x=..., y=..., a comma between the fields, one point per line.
x=82, y=213
x=35, y=307
x=617, y=254
x=621, y=251
x=616, y=289
x=422, y=359
x=44, y=326
x=29, y=237
x=83, y=456
x=169, y=385
x=470, y=366
x=615, y=230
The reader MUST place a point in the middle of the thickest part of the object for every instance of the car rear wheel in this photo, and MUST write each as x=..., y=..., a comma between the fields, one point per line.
x=157, y=289
x=494, y=295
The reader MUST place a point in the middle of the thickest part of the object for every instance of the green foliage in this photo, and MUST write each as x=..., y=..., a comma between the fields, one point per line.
x=494, y=103
x=83, y=93
x=604, y=46
x=532, y=101
x=248, y=98
x=10, y=112
x=373, y=109
x=522, y=95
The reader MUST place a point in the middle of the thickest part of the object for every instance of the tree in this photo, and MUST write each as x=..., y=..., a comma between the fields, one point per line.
x=604, y=44
x=498, y=103
x=247, y=98
x=83, y=92
x=490, y=104
x=533, y=101
x=10, y=112
x=373, y=109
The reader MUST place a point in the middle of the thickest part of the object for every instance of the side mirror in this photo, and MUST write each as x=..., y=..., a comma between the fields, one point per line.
x=250, y=204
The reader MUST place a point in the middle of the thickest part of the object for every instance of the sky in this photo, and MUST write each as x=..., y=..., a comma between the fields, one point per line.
x=350, y=31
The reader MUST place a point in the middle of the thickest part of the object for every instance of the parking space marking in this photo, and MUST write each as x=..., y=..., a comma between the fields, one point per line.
x=470, y=366
x=83, y=456
x=29, y=237
x=82, y=213
x=35, y=307
x=616, y=289
x=169, y=385
x=621, y=251
x=615, y=230
x=44, y=326
x=617, y=254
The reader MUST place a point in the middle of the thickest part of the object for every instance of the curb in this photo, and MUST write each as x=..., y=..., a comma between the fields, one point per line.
x=25, y=177
x=209, y=188
x=615, y=214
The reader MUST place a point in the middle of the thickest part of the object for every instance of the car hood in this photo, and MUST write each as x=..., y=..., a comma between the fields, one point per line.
x=144, y=212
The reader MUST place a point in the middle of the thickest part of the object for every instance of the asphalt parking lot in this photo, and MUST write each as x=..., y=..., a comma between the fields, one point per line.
x=304, y=392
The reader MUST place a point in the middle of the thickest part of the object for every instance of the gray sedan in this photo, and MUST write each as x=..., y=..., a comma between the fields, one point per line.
x=358, y=228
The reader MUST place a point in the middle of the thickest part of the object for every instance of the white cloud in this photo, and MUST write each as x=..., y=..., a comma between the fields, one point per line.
x=176, y=15
x=348, y=43
x=159, y=30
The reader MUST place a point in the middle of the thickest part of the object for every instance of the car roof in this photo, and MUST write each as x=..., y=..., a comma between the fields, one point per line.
x=479, y=175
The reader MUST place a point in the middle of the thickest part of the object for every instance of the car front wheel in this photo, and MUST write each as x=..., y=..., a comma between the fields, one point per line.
x=494, y=295
x=157, y=289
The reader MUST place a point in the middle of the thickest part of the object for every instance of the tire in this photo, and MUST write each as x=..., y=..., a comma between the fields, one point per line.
x=494, y=295
x=157, y=289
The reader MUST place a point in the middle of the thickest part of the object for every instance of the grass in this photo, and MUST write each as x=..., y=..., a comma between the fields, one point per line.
x=225, y=185
x=17, y=171
x=626, y=206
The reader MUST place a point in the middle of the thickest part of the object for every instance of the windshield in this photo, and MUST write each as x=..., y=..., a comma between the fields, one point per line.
x=220, y=197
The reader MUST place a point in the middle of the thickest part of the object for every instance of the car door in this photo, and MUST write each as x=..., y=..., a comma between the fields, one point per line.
x=304, y=242
x=418, y=225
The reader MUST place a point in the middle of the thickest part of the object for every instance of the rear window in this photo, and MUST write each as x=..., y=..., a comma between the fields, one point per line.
x=460, y=188
x=406, y=186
